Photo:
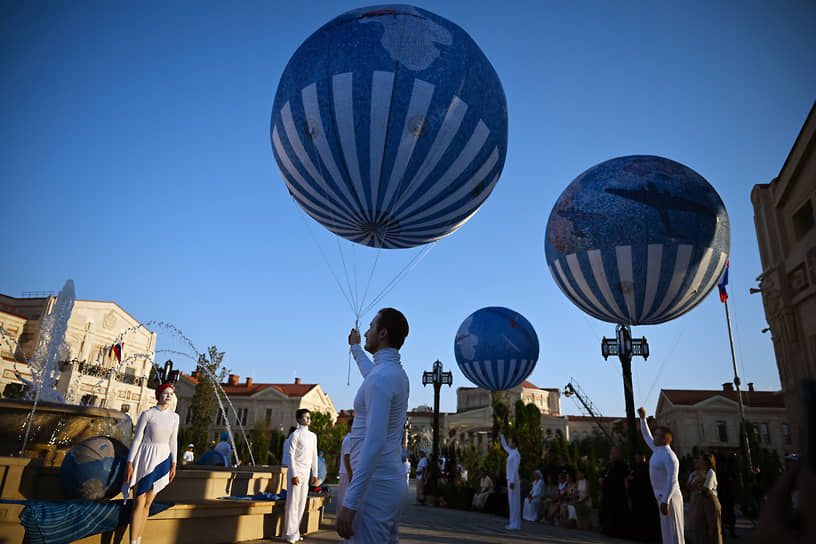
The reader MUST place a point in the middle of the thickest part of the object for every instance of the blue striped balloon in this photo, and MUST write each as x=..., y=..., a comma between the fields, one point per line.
x=638, y=240
x=389, y=126
x=496, y=348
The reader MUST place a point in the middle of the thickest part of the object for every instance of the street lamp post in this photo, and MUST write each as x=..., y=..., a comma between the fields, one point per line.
x=437, y=378
x=624, y=346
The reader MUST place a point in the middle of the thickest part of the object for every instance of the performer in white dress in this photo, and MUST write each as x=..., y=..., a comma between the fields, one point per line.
x=370, y=510
x=152, y=458
x=302, y=459
x=513, y=482
x=532, y=503
x=663, y=469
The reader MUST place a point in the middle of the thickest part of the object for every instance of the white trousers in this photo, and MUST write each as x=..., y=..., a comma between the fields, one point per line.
x=296, y=497
x=671, y=526
x=514, y=499
x=377, y=520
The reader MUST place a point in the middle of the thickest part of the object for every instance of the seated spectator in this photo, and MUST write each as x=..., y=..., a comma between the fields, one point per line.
x=549, y=496
x=580, y=505
x=561, y=497
x=485, y=490
x=532, y=503
x=565, y=499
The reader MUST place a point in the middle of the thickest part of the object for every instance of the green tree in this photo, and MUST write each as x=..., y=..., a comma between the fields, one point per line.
x=528, y=434
x=329, y=439
x=205, y=404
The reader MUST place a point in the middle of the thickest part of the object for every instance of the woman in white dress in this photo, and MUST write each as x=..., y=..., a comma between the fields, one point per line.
x=152, y=459
x=532, y=503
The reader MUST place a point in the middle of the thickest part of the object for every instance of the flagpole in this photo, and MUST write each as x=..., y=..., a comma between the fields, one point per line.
x=739, y=393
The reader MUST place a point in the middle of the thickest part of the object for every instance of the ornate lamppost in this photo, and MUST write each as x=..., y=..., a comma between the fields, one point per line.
x=437, y=378
x=624, y=346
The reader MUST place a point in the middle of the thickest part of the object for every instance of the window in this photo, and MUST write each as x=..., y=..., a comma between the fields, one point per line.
x=88, y=400
x=786, y=436
x=766, y=436
x=125, y=408
x=268, y=416
x=189, y=417
x=803, y=219
x=219, y=419
x=242, y=416
x=722, y=431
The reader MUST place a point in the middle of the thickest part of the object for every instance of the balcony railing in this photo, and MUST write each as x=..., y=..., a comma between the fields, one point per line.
x=99, y=371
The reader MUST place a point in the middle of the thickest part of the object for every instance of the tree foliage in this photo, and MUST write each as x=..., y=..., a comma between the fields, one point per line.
x=205, y=404
x=329, y=439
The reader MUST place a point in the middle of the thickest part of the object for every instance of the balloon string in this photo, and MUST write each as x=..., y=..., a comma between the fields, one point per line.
x=356, y=328
x=323, y=255
x=418, y=257
x=662, y=365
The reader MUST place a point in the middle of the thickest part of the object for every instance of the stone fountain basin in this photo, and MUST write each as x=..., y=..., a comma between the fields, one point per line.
x=56, y=428
x=198, y=516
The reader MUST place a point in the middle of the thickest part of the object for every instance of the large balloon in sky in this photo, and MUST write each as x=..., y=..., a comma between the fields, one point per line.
x=390, y=126
x=638, y=240
x=496, y=348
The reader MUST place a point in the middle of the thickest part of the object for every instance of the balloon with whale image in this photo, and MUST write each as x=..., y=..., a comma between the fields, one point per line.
x=638, y=240
x=389, y=126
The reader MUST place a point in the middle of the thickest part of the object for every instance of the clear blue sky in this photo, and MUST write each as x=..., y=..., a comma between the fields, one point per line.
x=136, y=161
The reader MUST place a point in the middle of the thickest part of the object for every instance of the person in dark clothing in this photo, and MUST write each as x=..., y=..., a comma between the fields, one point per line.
x=645, y=523
x=614, y=502
x=727, y=490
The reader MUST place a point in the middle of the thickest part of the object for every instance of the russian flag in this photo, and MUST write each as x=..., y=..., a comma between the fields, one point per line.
x=723, y=282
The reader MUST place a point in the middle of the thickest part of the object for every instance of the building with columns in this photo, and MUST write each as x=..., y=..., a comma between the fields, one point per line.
x=89, y=372
x=257, y=405
x=785, y=221
x=473, y=421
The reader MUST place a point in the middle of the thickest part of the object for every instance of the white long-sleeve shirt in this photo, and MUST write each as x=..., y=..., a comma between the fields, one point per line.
x=380, y=410
x=158, y=428
x=711, y=482
x=513, y=461
x=302, y=453
x=663, y=467
x=345, y=448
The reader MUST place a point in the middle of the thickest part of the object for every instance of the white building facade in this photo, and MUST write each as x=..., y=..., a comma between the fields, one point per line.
x=90, y=372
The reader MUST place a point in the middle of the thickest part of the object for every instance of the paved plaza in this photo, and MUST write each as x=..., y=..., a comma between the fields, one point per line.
x=428, y=524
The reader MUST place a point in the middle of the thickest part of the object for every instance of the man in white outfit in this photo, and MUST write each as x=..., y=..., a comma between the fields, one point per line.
x=513, y=483
x=370, y=510
x=421, y=474
x=302, y=453
x=663, y=469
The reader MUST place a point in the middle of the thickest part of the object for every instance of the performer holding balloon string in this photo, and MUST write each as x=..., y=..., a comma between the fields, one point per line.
x=152, y=460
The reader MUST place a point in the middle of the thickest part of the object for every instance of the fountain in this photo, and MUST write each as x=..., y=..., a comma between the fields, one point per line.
x=36, y=433
x=43, y=425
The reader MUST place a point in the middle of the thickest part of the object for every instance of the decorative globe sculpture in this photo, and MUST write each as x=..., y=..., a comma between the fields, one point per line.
x=94, y=469
x=389, y=126
x=638, y=240
x=496, y=348
x=211, y=458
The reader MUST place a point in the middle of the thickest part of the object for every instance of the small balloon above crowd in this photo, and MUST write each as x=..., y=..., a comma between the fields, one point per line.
x=496, y=348
x=389, y=126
